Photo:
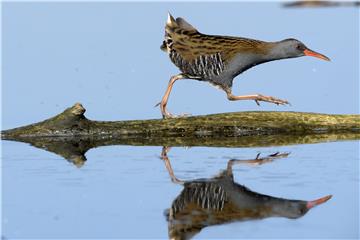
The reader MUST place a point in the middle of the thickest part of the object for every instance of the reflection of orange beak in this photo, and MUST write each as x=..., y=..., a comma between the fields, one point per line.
x=309, y=52
x=311, y=204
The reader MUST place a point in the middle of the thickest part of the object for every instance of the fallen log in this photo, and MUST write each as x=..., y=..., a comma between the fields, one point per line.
x=73, y=123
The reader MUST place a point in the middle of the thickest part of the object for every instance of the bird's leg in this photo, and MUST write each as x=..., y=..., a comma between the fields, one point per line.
x=256, y=161
x=165, y=98
x=256, y=98
x=166, y=159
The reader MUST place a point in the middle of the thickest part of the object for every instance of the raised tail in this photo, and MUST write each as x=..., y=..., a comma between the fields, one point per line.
x=173, y=29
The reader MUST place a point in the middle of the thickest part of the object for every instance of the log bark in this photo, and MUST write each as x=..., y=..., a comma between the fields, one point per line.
x=73, y=123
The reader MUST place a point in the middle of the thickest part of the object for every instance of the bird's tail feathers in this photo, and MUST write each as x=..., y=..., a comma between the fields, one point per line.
x=173, y=28
x=171, y=22
x=179, y=23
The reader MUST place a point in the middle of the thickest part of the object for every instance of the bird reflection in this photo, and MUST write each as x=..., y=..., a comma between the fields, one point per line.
x=218, y=200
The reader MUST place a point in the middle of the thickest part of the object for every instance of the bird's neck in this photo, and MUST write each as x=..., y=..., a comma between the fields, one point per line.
x=270, y=51
x=275, y=51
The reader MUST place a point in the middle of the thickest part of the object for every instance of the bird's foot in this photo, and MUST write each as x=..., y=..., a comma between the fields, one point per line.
x=183, y=115
x=168, y=115
x=269, y=99
x=261, y=160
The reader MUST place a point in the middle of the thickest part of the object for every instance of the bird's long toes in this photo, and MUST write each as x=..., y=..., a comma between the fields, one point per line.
x=280, y=102
x=182, y=115
x=168, y=115
x=285, y=102
x=269, y=99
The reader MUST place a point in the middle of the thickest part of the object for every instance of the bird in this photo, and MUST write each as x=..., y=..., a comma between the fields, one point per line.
x=321, y=3
x=218, y=200
x=219, y=59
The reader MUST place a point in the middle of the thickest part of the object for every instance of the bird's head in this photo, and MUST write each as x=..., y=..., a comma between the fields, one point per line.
x=297, y=208
x=291, y=48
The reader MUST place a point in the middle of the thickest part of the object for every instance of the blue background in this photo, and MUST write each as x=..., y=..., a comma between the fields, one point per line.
x=107, y=56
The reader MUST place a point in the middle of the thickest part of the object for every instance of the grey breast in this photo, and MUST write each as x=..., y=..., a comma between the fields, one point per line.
x=240, y=63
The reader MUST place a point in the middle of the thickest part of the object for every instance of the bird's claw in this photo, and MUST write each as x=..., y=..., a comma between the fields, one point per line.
x=168, y=115
x=269, y=99
x=260, y=160
x=184, y=115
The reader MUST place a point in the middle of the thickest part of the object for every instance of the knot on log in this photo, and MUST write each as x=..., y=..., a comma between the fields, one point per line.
x=75, y=112
x=77, y=109
x=70, y=122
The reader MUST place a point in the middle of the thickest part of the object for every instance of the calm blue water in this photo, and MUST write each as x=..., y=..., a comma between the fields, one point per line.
x=122, y=191
x=107, y=56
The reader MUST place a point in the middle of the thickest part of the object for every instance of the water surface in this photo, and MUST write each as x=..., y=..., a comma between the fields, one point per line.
x=123, y=191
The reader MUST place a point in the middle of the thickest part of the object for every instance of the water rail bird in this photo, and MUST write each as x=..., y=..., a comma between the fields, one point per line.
x=219, y=59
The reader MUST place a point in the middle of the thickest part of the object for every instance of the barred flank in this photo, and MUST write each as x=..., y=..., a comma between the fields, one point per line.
x=206, y=195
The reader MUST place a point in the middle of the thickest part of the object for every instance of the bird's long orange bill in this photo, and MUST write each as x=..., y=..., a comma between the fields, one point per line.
x=311, y=204
x=311, y=53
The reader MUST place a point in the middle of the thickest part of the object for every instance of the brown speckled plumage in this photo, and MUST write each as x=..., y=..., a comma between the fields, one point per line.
x=205, y=56
x=219, y=59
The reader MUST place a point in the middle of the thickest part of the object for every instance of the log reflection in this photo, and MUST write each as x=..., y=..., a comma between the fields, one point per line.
x=74, y=148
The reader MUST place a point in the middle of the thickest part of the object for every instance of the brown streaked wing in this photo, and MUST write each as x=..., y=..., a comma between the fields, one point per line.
x=193, y=45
